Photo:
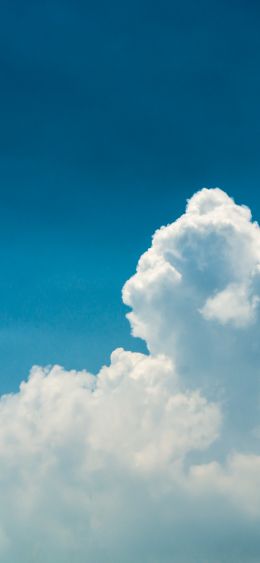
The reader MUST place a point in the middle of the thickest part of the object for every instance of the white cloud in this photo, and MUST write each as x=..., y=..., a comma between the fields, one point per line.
x=238, y=480
x=67, y=437
x=156, y=458
x=232, y=305
x=206, y=261
x=194, y=298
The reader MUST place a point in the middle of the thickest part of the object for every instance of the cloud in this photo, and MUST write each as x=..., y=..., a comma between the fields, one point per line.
x=205, y=263
x=195, y=297
x=232, y=305
x=156, y=458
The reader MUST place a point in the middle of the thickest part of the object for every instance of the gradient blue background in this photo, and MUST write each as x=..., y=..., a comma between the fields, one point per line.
x=112, y=114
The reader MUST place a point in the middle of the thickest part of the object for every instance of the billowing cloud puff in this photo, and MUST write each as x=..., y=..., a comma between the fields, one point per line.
x=195, y=298
x=155, y=459
x=207, y=263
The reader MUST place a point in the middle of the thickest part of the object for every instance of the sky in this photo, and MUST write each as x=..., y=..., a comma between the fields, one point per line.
x=156, y=457
x=112, y=115
x=130, y=282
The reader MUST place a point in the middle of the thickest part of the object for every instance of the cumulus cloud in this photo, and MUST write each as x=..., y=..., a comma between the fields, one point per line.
x=156, y=458
x=205, y=263
x=195, y=297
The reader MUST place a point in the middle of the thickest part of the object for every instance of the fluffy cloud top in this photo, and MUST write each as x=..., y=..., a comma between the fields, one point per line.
x=151, y=460
x=204, y=264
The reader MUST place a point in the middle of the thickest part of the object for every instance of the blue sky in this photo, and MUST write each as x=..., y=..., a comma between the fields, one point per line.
x=112, y=114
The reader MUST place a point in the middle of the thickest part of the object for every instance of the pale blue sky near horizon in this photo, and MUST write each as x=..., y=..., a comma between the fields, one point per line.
x=112, y=115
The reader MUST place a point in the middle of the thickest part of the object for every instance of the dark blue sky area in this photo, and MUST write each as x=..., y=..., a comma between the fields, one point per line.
x=112, y=114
